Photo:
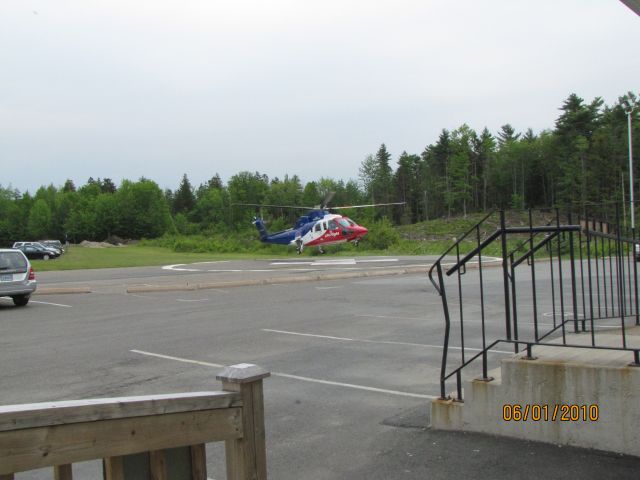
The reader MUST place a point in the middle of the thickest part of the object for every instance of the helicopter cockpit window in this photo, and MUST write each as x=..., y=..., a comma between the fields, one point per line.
x=332, y=225
x=318, y=227
x=344, y=222
x=324, y=225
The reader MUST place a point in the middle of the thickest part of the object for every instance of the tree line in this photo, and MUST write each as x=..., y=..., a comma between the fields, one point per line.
x=582, y=159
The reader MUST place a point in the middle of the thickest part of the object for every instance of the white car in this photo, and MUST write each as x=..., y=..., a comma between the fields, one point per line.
x=17, y=278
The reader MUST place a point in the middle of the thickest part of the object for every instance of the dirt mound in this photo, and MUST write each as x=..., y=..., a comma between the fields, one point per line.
x=88, y=244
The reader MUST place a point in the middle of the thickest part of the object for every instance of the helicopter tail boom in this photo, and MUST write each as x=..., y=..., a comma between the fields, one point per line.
x=262, y=230
x=286, y=237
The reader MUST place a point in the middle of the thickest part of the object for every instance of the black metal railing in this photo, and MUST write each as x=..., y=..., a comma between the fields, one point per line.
x=582, y=279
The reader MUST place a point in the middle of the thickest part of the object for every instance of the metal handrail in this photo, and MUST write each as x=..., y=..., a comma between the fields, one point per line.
x=599, y=266
x=458, y=241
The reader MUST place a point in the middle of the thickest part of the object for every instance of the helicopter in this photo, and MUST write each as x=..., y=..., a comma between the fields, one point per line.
x=319, y=227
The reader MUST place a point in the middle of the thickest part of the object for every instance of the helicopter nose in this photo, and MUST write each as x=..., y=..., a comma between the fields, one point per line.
x=363, y=231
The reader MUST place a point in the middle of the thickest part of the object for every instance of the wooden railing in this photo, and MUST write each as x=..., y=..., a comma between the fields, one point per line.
x=160, y=437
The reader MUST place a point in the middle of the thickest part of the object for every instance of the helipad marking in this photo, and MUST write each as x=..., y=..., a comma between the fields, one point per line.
x=337, y=261
x=342, y=261
x=377, y=260
x=349, y=261
x=176, y=268
x=237, y=270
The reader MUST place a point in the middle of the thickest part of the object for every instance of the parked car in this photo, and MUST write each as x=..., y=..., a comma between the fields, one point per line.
x=53, y=244
x=55, y=251
x=38, y=252
x=17, y=278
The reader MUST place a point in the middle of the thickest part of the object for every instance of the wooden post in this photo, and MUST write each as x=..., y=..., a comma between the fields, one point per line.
x=62, y=472
x=157, y=465
x=113, y=468
x=198, y=462
x=247, y=456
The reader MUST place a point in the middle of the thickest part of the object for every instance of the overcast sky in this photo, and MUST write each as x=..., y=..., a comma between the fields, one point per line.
x=158, y=88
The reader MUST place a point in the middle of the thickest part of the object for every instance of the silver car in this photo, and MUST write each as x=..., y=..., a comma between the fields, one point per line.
x=17, y=278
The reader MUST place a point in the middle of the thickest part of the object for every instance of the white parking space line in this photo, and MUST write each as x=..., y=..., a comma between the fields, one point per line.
x=354, y=386
x=380, y=342
x=390, y=317
x=296, y=377
x=192, y=300
x=49, y=303
x=394, y=317
x=178, y=359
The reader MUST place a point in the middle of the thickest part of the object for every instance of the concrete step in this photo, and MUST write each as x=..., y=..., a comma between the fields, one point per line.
x=574, y=396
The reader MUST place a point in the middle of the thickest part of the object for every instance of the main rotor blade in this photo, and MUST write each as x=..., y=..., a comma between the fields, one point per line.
x=269, y=205
x=370, y=205
x=326, y=200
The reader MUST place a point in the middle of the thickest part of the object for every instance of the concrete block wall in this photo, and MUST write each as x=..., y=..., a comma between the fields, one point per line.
x=542, y=384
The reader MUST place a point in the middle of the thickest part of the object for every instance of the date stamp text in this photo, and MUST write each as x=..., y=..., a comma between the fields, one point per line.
x=562, y=412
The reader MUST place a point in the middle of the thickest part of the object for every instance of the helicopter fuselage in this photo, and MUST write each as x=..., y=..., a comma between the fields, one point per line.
x=316, y=228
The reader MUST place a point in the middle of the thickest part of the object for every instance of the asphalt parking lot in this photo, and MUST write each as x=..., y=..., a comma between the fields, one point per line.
x=355, y=363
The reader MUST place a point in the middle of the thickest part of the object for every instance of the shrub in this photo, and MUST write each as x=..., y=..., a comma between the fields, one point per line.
x=381, y=235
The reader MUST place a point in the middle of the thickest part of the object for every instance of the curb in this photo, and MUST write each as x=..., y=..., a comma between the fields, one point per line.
x=256, y=282
x=276, y=280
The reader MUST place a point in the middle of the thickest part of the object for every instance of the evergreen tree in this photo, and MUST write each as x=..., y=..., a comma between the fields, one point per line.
x=484, y=147
x=214, y=182
x=437, y=183
x=506, y=135
x=367, y=175
x=69, y=186
x=460, y=169
x=107, y=186
x=184, y=200
x=574, y=130
x=382, y=186
x=407, y=188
